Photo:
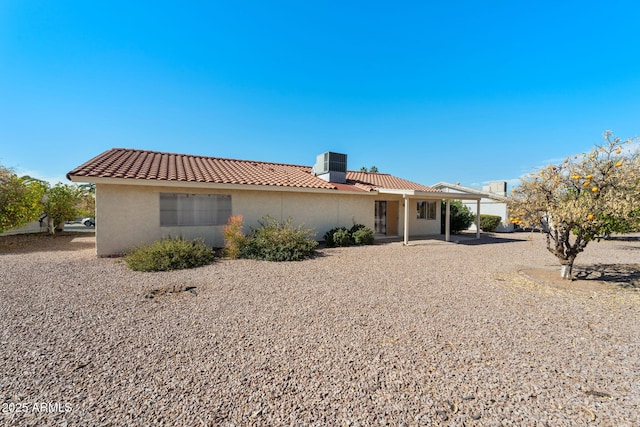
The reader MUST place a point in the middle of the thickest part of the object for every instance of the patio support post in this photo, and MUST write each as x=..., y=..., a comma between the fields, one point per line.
x=447, y=221
x=406, y=219
x=478, y=219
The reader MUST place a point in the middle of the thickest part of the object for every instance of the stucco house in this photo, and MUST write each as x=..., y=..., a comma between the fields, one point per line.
x=142, y=196
x=493, y=201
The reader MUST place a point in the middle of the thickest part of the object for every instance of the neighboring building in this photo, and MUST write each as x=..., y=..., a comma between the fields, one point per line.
x=493, y=201
x=142, y=196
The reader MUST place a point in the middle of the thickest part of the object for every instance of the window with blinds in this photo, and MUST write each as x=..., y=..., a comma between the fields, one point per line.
x=179, y=209
x=426, y=209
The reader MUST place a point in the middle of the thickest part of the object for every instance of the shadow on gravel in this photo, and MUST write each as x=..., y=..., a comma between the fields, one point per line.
x=623, y=238
x=485, y=240
x=63, y=241
x=623, y=275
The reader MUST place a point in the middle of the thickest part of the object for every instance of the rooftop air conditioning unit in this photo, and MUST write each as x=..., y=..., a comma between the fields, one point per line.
x=331, y=167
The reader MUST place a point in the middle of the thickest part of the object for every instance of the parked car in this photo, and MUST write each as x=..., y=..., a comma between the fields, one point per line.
x=89, y=222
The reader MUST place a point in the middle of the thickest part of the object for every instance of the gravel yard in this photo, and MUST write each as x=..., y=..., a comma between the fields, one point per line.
x=452, y=334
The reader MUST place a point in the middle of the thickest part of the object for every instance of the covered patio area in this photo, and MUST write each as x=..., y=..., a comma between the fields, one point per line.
x=410, y=196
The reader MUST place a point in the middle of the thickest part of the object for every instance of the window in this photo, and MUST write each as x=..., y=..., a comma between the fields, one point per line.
x=426, y=209
x=178, y=209
x=381, y=217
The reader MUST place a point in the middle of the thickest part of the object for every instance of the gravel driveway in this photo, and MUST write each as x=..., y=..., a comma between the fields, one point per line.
x=450, y=334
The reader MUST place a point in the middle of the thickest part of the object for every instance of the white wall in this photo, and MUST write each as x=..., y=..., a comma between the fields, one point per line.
x=422, y=227
x=32, y=227
x=417, y=227
x=128, y=215
x=488, y=206
x=491, y=207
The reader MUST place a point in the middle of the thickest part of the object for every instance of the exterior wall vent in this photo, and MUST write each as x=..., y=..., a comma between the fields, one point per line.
x=332, y=167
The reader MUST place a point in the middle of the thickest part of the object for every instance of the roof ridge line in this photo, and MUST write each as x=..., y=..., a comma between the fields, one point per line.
x=208, y=157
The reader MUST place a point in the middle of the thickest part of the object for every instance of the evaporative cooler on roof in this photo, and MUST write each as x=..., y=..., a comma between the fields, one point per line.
x=331, y=167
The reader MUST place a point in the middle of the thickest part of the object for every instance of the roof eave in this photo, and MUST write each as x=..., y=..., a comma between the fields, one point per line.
x=429, y=194
x=213, y=185
x=482, y=194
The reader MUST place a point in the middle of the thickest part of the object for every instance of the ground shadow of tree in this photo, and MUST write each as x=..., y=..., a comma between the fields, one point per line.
x=485, y=239
x=624, y=275
x=624, y=238
x=42, y=242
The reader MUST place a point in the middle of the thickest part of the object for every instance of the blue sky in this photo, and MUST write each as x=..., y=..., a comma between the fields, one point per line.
x=461, y=91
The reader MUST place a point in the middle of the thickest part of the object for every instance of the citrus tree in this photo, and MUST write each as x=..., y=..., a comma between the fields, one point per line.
x=585, y=198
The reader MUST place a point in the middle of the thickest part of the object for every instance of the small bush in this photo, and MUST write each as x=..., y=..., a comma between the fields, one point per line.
x=278, y=241
x=461, y=216
x=328, y=236
x=342, y=237
x=356, y=227
x=363, y=236
x=234, y=238
x=359, y=234
x=170, y=254
x=489, y=222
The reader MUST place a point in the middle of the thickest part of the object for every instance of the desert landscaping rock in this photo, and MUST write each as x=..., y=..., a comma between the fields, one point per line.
x=453, y=334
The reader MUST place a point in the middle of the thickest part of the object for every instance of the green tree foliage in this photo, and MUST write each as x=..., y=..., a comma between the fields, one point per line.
x=461, y=216
x=582, y=199
x=372, y=169
x=86, y=200
x=61, y=204
x=20, y=199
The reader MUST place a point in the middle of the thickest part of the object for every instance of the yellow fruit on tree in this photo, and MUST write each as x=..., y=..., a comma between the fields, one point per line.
x=594, y=189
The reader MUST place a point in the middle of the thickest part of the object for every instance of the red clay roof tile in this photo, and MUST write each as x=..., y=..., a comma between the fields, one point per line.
x=150, y=165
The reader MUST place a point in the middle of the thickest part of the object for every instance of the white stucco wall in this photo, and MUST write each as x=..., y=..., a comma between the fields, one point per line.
x=491, y=207
x=422, y=227
x=488, y=206
x=127, y=215
x=417, y=227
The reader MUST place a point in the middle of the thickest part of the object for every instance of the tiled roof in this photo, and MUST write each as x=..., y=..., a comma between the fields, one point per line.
x=125, y=163
x=384, y=180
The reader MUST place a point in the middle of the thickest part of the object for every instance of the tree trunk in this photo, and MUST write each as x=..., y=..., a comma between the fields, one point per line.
x=51, y=226
x=565, y=272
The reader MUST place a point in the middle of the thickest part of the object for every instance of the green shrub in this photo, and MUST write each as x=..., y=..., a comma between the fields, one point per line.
x=356, y=227
x=489, y=222
x=278, y=241
x=170, y=254
x=342, y=237
x=461, y=216
x=234, y=238
x=359, y=234
x=328, y=236
x=363, y=236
